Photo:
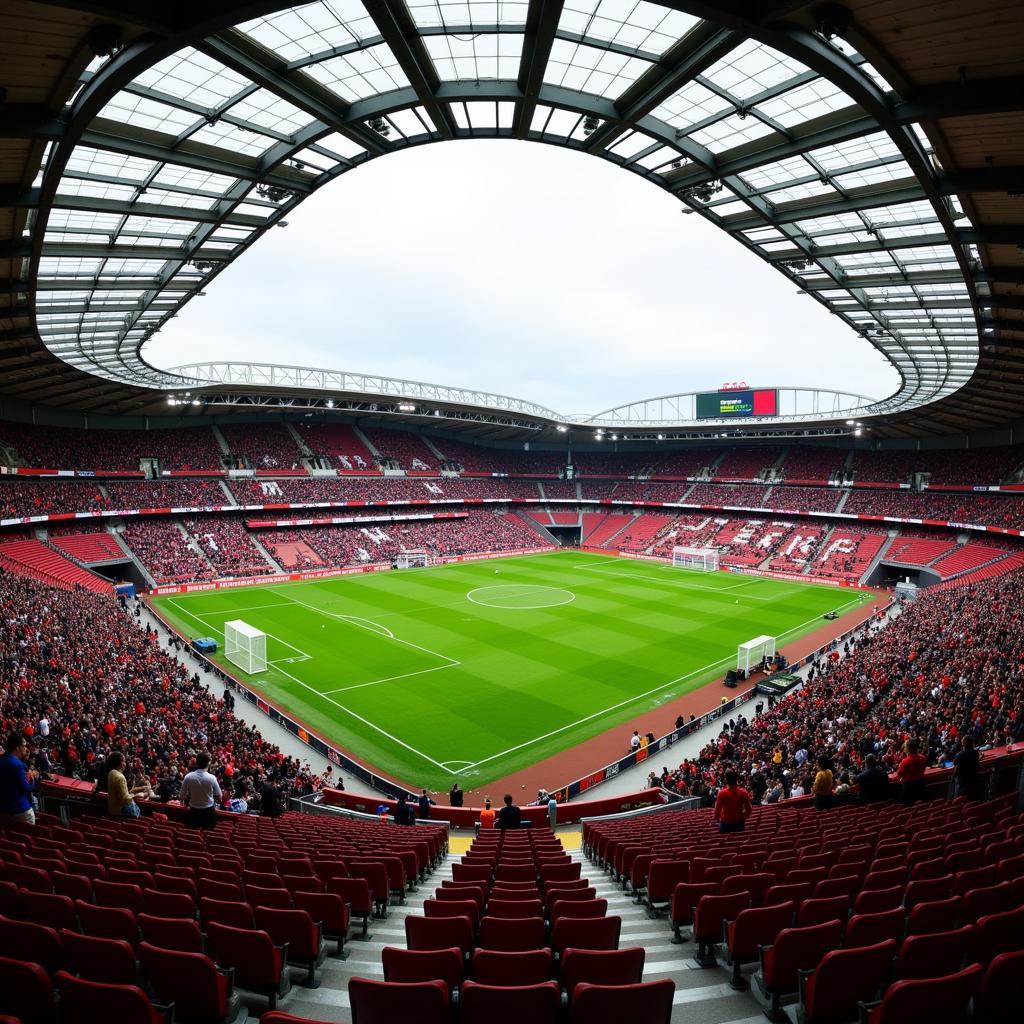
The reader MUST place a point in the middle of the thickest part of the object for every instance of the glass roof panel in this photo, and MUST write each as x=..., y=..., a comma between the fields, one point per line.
x=195, y=77
x=751, y=68
x=731, y=132
x=691, y=104
x=815, y=99
x=475, y=57
x=228, y=136
x=856, y=151
x=142, y=112
x=459, y=13
x=87, y=161
x=192, y=179
x=267, y=110
x=355, y=76
x=637, y=24
x=312, y=28
x=587, y=69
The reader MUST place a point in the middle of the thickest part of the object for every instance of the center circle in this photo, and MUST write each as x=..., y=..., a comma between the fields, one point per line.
x=520, y=596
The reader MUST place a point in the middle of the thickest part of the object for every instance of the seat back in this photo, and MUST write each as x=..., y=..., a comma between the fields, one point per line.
x=601, y=967
x=663, y=876
x=453, y=908
x=438, y=933
x=577, y=908
x=935, y=954
x=111, y=961
x=171, y=933
x=817, y=911
x=1000, y=998
x=414, y=965
x=500, y=1004
x=757, y=926
x=585, y=933
x=234, y=914
x=294, y=927
x=1000, y=933
x=870, y=929
x=37, y=943
x=258, y=965
x=47, y=908
x=798, y=949
x=934, y=916
x=189, y=980
x=107, y=922
x=649, y=1001
x=520, y=967
x=81, y=999
x=936, y=1000
x=877, y=900
x=425, y=1002
x=27, y=993
x=511, y=934
x=844, y=978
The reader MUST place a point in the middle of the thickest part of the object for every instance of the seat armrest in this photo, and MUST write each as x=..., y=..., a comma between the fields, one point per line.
x=167, y=1009
x=865, y=1010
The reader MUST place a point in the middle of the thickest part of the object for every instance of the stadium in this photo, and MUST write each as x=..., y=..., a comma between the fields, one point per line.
x=342, y=696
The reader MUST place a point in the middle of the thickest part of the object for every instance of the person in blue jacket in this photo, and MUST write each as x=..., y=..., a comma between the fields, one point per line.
x=17, y=783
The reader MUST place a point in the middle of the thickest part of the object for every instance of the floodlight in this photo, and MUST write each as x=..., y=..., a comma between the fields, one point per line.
x=330, y=403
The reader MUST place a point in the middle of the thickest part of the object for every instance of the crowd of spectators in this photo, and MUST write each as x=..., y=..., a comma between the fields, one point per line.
x=177, y=493
x=22, y=498
x=83, y=679
x=795, y=550
x=749, y=542
x=948, y=667
x=739, y=495
x=619, y=464
x=805, y=499
x=559, y=489
x=887, y=466
x=340, y=443
x=163, y=549
x=406, y=450
x=803, y=462
x=847, y=554
x=988, y=509
x=228, y=546
x=746, y=463
x=265, y=446
x=687, y=462
x=111, y=451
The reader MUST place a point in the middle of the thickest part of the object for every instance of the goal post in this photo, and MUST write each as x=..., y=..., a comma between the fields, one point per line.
x=411, y=559
x=751, y=655
x=701, y=559
x=245, y=646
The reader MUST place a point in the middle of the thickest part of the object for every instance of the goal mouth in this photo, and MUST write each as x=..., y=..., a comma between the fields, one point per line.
x=412, y=559
x=245, y=646
x=697, y=558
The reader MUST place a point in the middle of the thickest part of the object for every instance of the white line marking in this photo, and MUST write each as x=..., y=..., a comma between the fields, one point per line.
x=641, y=696
x=388, y=679
x=214, y=629
x=538, y=590
x=676, y=583
x=373, y=628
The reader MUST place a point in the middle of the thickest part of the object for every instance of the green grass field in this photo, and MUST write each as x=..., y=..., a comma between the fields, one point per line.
x=473, y=671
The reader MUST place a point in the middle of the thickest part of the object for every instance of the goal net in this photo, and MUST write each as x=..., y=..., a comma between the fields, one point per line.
x=702, y=559
x=245, y=646
x=411, y=559
x=750, y=656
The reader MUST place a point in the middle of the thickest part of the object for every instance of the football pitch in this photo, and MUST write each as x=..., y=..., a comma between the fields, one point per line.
x=468, y=672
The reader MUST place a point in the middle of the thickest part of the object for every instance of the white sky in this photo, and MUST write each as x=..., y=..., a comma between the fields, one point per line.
x=523, y=269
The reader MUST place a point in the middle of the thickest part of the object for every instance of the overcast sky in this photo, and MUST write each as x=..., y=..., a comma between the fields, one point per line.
x=522, y=269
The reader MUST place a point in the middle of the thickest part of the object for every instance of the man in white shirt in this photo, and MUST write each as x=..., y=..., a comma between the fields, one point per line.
x=200, y=792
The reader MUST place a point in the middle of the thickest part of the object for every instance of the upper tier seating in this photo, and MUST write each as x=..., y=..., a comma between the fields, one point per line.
x=746, y=463
x=340, y=442
x=820, y=465
x=685, y=463
x=721, y=495
x=885, y=467
x=36, y=559
x=409, y=450
x=266, y=446
x=165, y=494
x=918, y=550
x=23, y=498
x=804, y=499
x=618, y=464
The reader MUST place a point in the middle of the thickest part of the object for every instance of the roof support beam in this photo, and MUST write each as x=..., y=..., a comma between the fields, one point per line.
x=183, y=213
x=118, y=138
x=29, y=121
x=399, y=31
x=692, y=55
x=266, y=69
x=912, y=277
x=541, y=25
x=965, y=98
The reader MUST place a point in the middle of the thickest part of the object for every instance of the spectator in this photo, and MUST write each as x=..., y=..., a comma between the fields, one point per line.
x=424, y=806
x=487, y=814
x=872, y=783
x=201, y=793
x=823, y=785
x=17, y=782
x=456, y=795
x=120, y=799
x=911, y=773
x=732, y=805
x=966, y=771
x=403, y=812
x=510, y=816
x=552, y=812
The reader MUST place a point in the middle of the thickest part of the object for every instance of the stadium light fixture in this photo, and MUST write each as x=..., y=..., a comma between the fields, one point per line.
x=849, y=423
x=406, y=407
x=330, y=403
x=562, y=428
x=615, y=437
x=661, y=437
x=858, y=432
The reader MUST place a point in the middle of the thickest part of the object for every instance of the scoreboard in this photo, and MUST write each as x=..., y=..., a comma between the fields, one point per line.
x=713, y=405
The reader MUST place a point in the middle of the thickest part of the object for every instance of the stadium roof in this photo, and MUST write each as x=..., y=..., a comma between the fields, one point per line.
x=872, y=154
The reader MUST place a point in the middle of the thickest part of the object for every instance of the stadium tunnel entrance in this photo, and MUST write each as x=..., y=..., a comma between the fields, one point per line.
x=888, y=574
x=566, y=536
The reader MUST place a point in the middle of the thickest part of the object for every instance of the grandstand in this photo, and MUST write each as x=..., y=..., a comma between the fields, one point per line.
x=461, y=588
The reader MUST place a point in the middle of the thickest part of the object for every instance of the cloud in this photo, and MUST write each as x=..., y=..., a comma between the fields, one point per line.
x=520, y=269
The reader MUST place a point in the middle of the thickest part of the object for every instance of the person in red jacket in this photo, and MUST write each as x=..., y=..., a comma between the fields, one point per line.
x=911, y=772
x=733, y=806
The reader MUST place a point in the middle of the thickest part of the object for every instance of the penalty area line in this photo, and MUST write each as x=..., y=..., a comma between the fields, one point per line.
x=214, y=629
x=641, y=696
x=390, y=679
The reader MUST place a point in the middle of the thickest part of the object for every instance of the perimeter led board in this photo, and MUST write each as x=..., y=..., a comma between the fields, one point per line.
x=715, y=405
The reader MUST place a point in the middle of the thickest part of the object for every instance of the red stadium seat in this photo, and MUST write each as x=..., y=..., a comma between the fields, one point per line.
x=511, y=934
x=601, y=967
x=171, y=933
x=495, y=1004
x=259, y=964
x=650, y=1002
x=26, y=993
x=82, y=1000
x=428, y=933
x=199, y=989
x=524, y=967
x=386, y=1002
x=843, y=979
x=416, y=965
x=936, y=1000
